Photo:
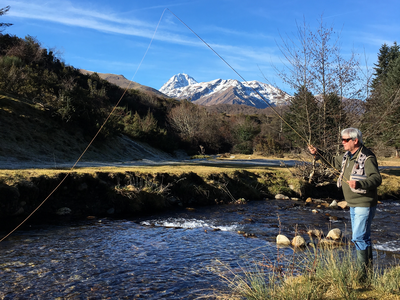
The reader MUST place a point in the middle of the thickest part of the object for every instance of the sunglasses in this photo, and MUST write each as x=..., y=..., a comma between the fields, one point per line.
x=346, y=140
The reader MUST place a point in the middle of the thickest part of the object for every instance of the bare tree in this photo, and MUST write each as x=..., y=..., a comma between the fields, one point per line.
x=313, y=61
x=185, y=119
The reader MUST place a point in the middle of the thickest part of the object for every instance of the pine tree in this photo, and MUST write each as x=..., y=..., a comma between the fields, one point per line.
x=391, y=94
x=303, y=117
x=380, y=121
x=385, y=57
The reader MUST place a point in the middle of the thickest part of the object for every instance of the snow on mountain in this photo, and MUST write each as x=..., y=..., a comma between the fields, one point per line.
x=176, y=82
x=222, y=91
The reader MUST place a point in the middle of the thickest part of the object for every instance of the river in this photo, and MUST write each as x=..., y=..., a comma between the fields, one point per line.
x=166, y=256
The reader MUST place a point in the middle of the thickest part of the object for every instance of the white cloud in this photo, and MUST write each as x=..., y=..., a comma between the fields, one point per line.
x=67, y=14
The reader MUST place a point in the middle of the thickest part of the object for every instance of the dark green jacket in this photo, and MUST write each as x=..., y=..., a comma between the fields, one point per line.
x=370, y=184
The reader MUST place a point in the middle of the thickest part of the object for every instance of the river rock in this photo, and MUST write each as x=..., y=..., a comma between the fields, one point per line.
x=342, y=204
x=334, y=234
x=63, y=211
x=282, y=240
x=334, y=204
x=281, y=197
x=333, y=218
x=298, y=241
x=315, y=232
x=308, y=200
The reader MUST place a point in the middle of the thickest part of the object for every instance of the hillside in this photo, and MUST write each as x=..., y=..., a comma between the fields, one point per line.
x=122, y=82
x=31, y=137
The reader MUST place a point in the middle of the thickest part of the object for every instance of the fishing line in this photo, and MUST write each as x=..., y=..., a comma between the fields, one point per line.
x=125, y=91
x=95, y=136
x=258, y=93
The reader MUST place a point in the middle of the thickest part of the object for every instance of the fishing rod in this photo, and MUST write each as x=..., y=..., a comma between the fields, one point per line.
x=256, y=91
x=122, y=96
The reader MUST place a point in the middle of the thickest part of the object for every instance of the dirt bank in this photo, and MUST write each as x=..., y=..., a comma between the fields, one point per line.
x=128, y=192
x=124, y=194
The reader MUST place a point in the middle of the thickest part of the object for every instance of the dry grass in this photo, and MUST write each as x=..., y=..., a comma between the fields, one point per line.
x=328, y=274
x=392, y=161
x=10, y=176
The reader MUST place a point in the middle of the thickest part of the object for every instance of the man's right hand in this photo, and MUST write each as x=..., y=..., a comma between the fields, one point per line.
x=312, y=149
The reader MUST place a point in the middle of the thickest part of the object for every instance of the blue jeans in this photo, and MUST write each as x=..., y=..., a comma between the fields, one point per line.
x=361, y=219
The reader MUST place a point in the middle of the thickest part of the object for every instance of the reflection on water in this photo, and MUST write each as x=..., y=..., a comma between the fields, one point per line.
x=166, y=256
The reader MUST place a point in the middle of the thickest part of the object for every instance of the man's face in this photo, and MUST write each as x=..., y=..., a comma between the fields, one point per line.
x=348, y=143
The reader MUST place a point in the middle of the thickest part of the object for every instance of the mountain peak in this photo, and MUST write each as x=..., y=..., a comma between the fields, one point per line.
x=227, y=91
x=177, y=81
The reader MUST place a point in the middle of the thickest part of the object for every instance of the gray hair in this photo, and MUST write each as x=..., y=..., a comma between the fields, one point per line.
x=353, y=133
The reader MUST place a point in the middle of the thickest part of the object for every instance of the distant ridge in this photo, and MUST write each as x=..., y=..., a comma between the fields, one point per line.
x=221, y=91
x=122, y=82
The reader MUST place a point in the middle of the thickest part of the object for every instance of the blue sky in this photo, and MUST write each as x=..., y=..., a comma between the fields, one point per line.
x=113, y=36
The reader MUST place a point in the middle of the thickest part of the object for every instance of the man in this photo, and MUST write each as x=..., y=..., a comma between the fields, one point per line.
x=359, y=179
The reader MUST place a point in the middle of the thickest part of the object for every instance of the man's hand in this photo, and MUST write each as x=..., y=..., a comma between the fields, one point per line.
x=352, y=184
x=312, y=149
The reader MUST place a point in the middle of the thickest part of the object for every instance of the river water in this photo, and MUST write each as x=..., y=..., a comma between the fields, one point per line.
x=167, y=256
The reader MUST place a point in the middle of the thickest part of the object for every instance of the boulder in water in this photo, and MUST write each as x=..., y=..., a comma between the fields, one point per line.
x=298, y=241
x=334, y=204
x=334, y=234
x=282, y=240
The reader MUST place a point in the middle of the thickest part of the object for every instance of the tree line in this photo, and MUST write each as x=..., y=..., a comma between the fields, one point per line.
x=331, y=93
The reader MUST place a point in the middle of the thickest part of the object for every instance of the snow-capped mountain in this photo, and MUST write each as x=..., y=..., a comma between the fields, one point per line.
x=221, y=91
